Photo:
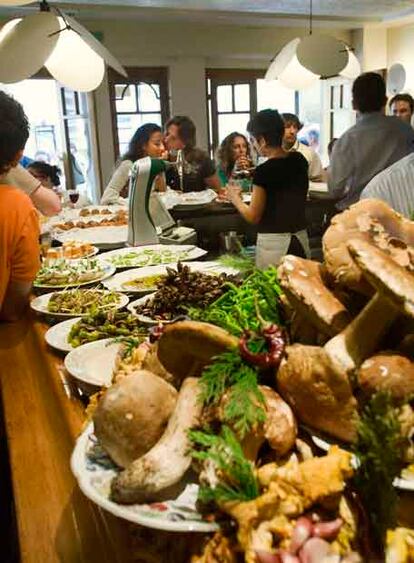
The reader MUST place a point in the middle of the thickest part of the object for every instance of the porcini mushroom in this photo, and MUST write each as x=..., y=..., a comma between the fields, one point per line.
x=387, y=371
x=316, y=381
x=302, y=282
x=186, y=347
x=369, y=220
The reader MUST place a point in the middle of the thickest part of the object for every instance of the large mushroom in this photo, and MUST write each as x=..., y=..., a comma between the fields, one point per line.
x=186, y=347
x=373, y=221
x=316, y=381
x=303, y=285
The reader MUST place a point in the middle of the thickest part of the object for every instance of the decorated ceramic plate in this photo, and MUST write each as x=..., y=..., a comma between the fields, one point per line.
x=405, y=484
x=40, y=304
x=94, y=472
x=152, y=255
x=93, y=363
x=144, y=280
x=57, y=335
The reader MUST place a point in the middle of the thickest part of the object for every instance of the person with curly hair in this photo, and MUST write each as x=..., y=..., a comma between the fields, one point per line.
x=19, y=223
x=46, y=173
x=234, y=154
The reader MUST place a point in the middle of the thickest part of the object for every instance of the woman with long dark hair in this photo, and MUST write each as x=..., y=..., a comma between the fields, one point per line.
x=234, y=151
x=146, y=141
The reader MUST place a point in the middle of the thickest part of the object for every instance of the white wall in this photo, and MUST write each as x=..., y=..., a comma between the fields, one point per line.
x=400, y=49
x=187, y=50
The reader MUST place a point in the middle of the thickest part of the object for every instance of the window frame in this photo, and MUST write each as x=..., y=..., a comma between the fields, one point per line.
x=226, y=77
x=148, y=75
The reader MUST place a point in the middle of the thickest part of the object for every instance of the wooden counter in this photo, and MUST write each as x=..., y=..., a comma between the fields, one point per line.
x=55, y=521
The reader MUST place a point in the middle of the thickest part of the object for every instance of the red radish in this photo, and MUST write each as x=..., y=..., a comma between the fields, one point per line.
x=314, y=551
x=279, y=557
x=301, y=532
x=327, y=530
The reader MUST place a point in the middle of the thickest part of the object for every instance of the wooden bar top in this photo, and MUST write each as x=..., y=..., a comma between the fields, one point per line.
x=56, y=522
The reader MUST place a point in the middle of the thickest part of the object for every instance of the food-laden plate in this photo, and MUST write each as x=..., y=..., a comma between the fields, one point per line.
x=152, y=255
x=106, y=299
x=71, y=250
x=403, y=483
x=143, y=318
x=57, y=335
x=93, y=363
x=102, y=237
x=61, y=274
x=144, y=280
x=94, y=472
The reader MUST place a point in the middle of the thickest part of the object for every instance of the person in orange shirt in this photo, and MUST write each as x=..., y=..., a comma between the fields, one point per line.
x=19, y=223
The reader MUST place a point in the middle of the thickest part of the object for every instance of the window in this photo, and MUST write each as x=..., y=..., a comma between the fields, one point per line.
x=233, y=96
x=80, y=161
x=140, y=98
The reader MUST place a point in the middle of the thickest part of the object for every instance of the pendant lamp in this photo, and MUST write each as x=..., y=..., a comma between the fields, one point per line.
x=304, y=60
x=72, y=55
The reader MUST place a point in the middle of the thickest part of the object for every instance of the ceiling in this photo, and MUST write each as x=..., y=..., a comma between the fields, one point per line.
x=349, y=13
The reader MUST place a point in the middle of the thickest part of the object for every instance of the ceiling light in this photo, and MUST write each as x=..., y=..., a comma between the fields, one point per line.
x=304, y=60
x=83, y=70
x=72, y=55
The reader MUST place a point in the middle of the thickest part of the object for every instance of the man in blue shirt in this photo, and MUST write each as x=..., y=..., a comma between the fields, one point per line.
x=371, y=145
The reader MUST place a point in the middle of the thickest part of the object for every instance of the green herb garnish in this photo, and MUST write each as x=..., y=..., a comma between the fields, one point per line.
x=237, y=481
x=247, y=306
x=379, y=450
x=243, y=408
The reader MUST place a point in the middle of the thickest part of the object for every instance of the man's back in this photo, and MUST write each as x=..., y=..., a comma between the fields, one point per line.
x=371, y=145
x=395, y=186
x=19, y=234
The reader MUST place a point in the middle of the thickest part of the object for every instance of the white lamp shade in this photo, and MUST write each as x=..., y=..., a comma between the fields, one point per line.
x=286, y=68
x=323, y=55
x=74, y=64
x=297, y=76
x=396, y=78
x=96, y=45
x=15, y=2
x=353, y=68
x=25, y=45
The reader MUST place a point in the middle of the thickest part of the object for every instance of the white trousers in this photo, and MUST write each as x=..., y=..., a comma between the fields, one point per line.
x=271, y=247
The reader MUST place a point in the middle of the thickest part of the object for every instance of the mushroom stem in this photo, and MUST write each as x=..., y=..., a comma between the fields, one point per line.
x=360, y=338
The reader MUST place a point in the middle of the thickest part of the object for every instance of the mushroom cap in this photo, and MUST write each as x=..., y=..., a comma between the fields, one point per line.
x=132, y=415
x=387, y=371
x=374, y=221
x=319, y=394
x=186, y=347
x=302, y=282
x=280, y=428
x=384, y=274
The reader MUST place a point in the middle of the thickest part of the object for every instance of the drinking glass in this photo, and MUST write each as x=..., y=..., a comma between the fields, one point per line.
x=74, y=197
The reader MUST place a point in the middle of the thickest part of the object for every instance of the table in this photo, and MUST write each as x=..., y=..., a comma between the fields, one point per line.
x=218, y=217
x=42, y=418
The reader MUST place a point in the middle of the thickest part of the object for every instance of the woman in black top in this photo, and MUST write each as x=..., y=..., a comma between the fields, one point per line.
x=280, y=187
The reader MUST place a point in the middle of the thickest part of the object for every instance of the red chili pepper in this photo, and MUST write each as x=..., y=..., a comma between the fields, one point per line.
x=156, y=332
x=275, y=341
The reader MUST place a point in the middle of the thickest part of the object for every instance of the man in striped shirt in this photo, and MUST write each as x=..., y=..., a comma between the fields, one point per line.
x=395, y=186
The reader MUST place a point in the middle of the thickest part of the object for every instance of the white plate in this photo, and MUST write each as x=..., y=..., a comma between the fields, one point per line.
x=107, y=271
x=399, y=483
x=151, y=255
x=57, y=336
x=115, y=282
x=143, y=318
x=102, y=237
x=93, y=363
x=94, y=479
x=93, y=252
x=39, y=304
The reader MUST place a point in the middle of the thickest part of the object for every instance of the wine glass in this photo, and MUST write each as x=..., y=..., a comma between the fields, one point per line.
x=74, y=197
x=45, y=242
